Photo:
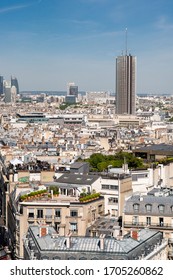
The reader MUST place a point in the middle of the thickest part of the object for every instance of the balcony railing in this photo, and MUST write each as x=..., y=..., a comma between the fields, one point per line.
x=151, y=225
x=57, y=217
x=48, y=217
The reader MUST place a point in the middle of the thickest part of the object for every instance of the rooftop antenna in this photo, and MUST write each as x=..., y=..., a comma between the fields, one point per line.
x=126, y=41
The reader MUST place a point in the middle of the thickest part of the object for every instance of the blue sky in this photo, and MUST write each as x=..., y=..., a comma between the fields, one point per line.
x=48, y=43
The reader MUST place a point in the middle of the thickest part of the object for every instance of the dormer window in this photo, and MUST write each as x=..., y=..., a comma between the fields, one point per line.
x=136, y=207
x=148, y=207
x=161, y=208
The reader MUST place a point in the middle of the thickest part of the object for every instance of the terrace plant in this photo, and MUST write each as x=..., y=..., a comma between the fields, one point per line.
x=55, y=190
x=89, y=197
x=32, y=194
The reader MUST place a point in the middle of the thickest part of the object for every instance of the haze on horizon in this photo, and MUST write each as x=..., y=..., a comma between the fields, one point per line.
x=48, y=43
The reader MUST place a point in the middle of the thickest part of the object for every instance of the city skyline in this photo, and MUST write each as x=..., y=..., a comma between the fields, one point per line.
x=47, y=44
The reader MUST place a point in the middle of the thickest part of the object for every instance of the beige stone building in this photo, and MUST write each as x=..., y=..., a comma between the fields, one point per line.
x=65, y=213
x=154, y=211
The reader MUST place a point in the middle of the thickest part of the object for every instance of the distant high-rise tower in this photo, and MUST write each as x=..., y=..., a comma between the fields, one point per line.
x=1, y=85
x=72, y=89
x=126, y=84
x=7, y=92
x=14, y=82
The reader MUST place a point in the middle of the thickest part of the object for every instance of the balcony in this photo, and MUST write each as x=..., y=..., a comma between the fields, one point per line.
x=31, y=217
x=57, y=218
x=48, y=217
x=158, y=226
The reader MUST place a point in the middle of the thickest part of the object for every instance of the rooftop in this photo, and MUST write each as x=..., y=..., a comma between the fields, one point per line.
x=52, y=242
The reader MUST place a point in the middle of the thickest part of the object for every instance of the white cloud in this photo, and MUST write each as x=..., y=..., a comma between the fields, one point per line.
x=17, y=7
x=12, y=8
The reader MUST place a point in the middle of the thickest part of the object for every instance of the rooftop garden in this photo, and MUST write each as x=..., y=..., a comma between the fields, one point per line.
x=32, y=194
x=40, y=193
x=84, y=197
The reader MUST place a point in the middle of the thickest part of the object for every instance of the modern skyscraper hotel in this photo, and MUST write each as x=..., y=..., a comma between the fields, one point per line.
x=125, y=84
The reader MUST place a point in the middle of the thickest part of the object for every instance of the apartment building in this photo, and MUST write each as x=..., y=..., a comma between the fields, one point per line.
x=153, y=210
x=42, y=243
x=114, y=187
x=64, y=212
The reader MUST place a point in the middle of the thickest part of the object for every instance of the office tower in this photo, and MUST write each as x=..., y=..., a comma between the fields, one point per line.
x=1, y=85
x=125, y=84
x=7, y=92
x=13, y=94
x=72, y=89
x=14, y=82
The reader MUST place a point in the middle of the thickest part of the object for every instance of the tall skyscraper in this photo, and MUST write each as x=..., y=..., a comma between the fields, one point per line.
x=14, y=82
x=72, y=89
x=1, y=85
x=7, y=92
x=126, y=84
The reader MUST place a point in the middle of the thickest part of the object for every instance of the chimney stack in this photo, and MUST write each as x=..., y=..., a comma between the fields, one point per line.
x=68, y=240
x=43, y=230
x=101, y=241
x=135, y=234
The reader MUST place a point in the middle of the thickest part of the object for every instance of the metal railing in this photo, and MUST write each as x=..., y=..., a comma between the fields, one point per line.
x=149, y=225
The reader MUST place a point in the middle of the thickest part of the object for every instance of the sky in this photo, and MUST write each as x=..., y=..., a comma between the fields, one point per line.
x=49, y=43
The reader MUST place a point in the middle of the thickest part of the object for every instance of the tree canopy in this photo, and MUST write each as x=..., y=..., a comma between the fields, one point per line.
x=100, y=162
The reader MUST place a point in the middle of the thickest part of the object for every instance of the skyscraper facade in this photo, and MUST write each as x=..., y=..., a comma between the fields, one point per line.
x=14, y=82
x=1, y=85
x=126, y=84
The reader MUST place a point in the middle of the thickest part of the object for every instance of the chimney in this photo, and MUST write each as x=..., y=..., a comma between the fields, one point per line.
x=135, y=234
x=68, y=240
x=101, y=241
x=43, y=230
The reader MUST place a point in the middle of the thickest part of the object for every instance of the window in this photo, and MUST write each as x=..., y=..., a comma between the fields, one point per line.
x=161, y=222
x=113, y=200
x=39, y=213
x=172, y=208
x=57, y=213
x=73, y=227
x=48, y=213
x=31, y=213
x=148, y=221
x=114, y=187
x=73, y=213
x=105, y=187
x=148, y=207
x=135, y=220
x=136, y=207
x=161, y=208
